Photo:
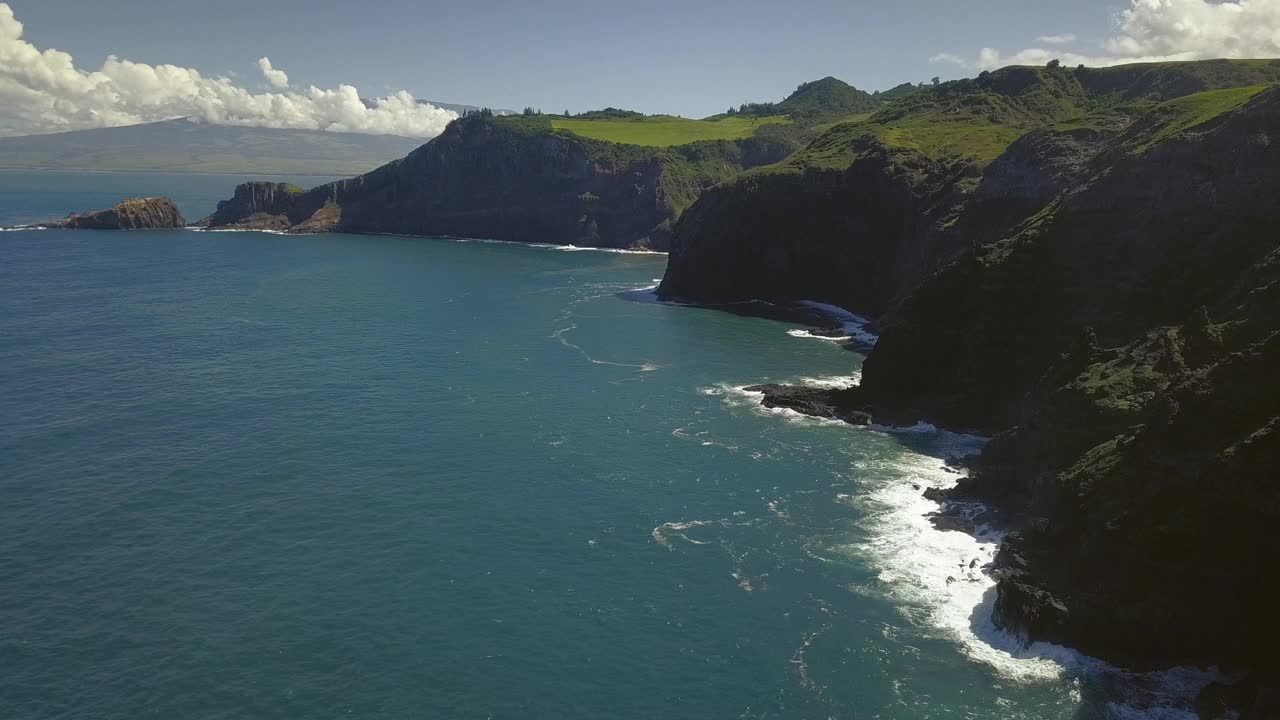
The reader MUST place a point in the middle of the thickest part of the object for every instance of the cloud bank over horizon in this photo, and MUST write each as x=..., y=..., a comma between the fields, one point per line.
x=1156, y=31
x=44, y=91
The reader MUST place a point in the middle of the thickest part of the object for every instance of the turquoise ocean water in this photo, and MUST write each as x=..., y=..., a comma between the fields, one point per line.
x=259, y=476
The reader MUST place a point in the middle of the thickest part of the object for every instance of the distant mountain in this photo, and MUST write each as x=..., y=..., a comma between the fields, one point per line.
x=461, y=109
x=186, y=146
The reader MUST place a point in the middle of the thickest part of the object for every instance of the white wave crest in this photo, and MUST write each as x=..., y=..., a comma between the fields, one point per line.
x=833, y=382
x=943, y=579
x=582, y=248
x=854, y=326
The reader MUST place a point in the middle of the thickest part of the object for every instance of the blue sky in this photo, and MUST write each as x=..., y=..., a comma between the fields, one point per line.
x=309, y=64
x=690, y=58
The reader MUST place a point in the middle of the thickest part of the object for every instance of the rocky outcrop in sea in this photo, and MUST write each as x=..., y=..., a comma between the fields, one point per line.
x=153, y=213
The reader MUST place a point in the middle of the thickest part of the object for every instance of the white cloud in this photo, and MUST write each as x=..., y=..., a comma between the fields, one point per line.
x=1164, y=30
x=949, y=58
x=277, y=78
x=44, y=91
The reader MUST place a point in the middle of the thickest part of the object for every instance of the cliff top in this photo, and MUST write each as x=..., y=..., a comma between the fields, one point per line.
x=978, y=118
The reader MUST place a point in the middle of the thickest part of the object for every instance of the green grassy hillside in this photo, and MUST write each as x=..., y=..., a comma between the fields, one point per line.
x=663, y=130
x=979, y=118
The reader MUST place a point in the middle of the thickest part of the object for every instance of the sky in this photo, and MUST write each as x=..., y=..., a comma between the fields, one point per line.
x=306, y=63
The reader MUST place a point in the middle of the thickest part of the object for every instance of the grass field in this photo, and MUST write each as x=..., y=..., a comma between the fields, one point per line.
x=1176, y=116
x=663, y=130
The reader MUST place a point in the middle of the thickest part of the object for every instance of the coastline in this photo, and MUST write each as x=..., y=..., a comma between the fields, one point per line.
x=916, y=561
x=5, y=169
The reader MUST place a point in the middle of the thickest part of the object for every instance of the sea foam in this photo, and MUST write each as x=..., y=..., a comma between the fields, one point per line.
x=941, y=580
x=854, y=326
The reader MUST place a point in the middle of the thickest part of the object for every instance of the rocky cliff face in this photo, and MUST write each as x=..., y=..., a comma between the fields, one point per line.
x=806, y=233
x=494, y=178
x=1140, y=418
x=132, y=214
x=1145, y=239
x=262, y=205
x=1108, y=307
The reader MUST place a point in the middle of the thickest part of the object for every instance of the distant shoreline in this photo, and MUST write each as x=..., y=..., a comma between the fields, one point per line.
x=178, y=172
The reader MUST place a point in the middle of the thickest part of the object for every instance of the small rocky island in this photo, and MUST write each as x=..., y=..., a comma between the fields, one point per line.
x=153, y=213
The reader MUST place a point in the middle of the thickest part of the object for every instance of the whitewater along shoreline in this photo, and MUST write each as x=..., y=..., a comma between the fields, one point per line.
x=937, y=512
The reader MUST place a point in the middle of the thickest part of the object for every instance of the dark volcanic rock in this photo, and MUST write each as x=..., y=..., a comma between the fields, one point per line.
x=817, y=402
x=834, y=333
x=1121, y=345
x=1105, y=302
x=131, y=214
x=1111, y=310
x=260, y=205
x=499, y=179
x=1145, y=242
x=1027, y=611
x=957, y=522
x=805, y=235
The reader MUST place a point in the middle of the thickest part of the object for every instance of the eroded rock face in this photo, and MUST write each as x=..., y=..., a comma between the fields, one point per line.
x=132, y=214
x=1119, y=348
x=492, y=179
x=858, y=238
x=1104, y=301
x=260, y=205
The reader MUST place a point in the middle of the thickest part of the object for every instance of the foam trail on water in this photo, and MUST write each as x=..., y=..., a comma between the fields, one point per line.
x=543, y=246
x=559, y=335
x=617, y=251
x=831, y=338
x=192, y=228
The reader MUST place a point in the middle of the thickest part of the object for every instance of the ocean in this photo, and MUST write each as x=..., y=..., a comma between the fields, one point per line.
x=246, y=475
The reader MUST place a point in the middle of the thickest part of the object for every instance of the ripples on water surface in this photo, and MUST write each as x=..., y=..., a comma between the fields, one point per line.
x=250, y=475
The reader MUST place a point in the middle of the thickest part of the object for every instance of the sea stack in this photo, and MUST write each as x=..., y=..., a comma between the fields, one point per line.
x=132, y=214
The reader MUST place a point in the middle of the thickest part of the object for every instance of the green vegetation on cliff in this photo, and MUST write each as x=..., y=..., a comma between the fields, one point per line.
x=978, y=119
x=1170, y=118
x=828, y=100
x=664, y=130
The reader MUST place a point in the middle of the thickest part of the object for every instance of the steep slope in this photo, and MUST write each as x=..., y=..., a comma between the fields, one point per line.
x=1128, y=338
x=510, y=179
x=879, y=204
x=186, y=146
x=1159, y=229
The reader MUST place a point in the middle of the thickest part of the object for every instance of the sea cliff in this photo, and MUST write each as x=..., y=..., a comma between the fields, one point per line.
x=133, y=214
x=509, y=179
x=1084, y=265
